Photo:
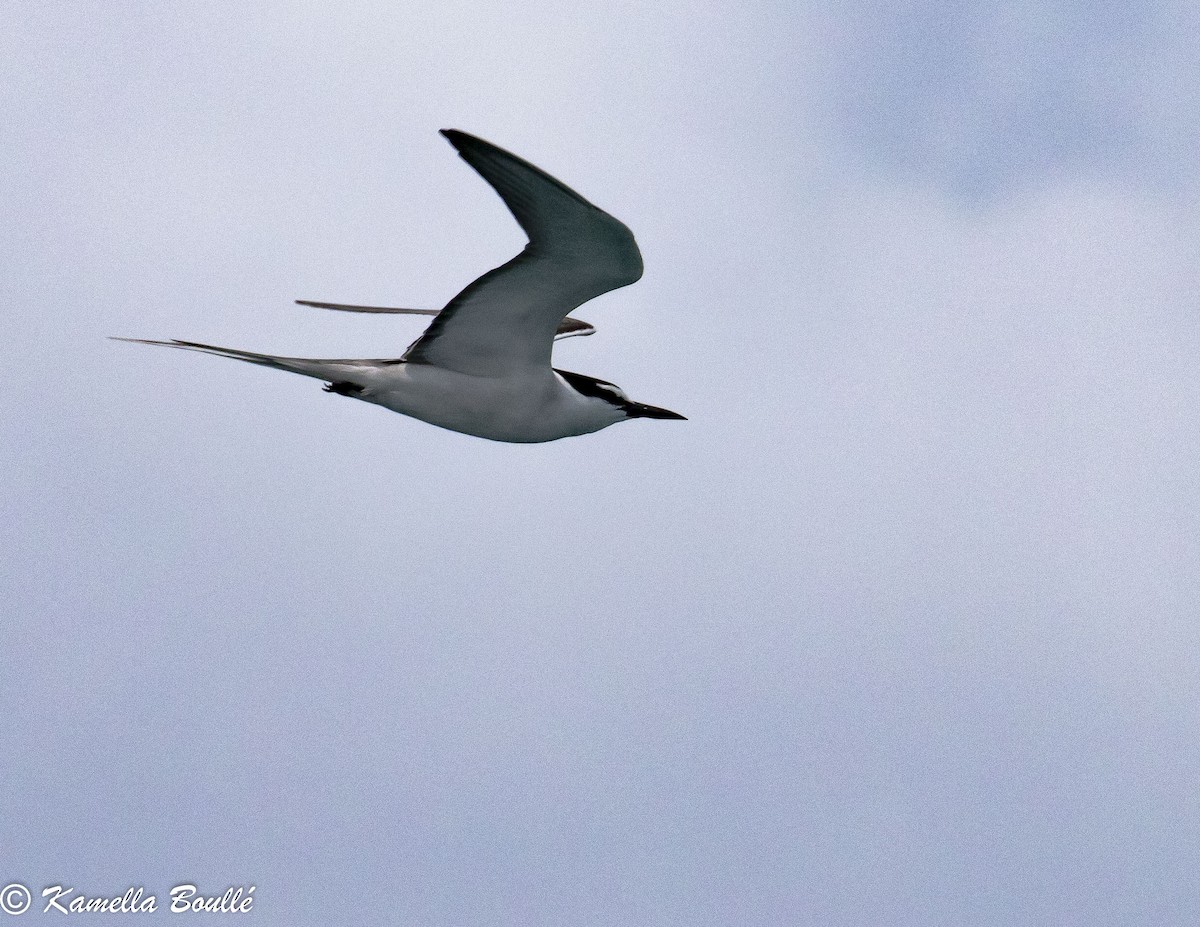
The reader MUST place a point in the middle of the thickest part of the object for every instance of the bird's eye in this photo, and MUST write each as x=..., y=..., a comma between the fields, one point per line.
x=615, y=390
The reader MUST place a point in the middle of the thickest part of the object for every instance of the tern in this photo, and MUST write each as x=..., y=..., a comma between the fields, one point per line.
x=483, y=365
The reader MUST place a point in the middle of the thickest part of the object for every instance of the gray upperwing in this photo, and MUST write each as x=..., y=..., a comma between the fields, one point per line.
x=507, y=320
x=568, y=328
x=380, y=310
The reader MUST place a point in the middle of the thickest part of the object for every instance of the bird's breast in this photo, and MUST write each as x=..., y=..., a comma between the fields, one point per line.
x=525, y=409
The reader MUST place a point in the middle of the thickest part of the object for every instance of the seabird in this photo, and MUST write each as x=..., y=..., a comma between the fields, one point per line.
x=482, y=367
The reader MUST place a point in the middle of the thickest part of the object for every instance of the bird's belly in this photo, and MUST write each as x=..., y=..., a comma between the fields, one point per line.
x=524, y=410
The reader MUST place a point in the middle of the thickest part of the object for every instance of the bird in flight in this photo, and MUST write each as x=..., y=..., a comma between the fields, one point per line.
x=482, y=367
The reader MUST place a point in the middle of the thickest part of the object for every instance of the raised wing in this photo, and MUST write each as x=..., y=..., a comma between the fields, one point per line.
x=567, y=328
x=506, y=321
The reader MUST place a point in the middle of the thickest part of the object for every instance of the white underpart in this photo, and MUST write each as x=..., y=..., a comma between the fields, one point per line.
x=529, y=408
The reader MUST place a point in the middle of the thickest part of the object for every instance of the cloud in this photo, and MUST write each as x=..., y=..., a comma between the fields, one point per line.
x=984, y=100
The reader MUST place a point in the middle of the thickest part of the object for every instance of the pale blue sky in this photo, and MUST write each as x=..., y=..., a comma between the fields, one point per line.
x=900, y=628
x=986, y=98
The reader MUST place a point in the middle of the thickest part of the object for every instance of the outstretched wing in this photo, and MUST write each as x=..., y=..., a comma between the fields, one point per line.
x=567, y=328
x=506, y=321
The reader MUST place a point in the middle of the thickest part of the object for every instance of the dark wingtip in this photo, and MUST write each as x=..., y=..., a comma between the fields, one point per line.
x=170, y=344
x=464, y=142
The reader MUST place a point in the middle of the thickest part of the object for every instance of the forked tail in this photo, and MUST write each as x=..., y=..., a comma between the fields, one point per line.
x=343, y=373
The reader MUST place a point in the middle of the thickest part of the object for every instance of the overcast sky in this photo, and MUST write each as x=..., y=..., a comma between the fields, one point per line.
x=901, y=627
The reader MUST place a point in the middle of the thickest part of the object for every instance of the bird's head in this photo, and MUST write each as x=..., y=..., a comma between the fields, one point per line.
x=614, y=396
